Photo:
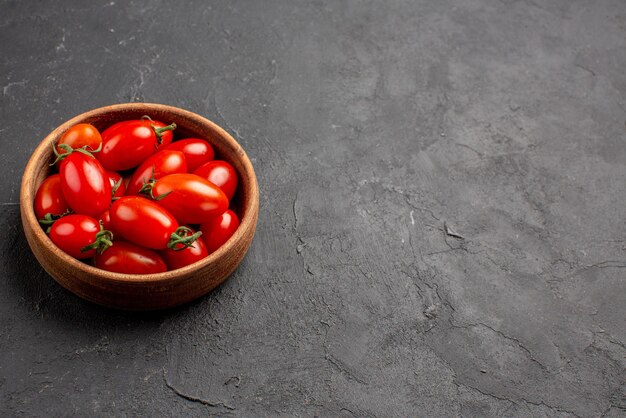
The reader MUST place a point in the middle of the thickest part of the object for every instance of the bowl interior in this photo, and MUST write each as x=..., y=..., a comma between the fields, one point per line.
x=244, y=203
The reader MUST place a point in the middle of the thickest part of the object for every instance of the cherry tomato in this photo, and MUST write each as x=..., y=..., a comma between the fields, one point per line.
x=182, y=257
x=216, y=231
x=220, y=173
x=127, y=144
x=145, y=223
x=85, y=184
x=74, y=234
x=80, y=135
x=49, y=198
x=105, y=221
x=116, y=184
x=197, y=151
x=190, y=198
x=158, y=165
x=125, y=257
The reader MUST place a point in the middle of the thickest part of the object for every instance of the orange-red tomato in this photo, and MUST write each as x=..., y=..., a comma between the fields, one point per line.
x=80, y=135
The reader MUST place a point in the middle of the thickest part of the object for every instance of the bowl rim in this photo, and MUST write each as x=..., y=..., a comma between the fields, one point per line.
x=27, y=196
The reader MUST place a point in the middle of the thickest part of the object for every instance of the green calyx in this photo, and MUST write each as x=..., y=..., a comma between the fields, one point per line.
x=147, y=186
x=159, y=131
x=87, y=150
x=182, y=236
x=115, y=187
x=49, y=219
x=104, y=239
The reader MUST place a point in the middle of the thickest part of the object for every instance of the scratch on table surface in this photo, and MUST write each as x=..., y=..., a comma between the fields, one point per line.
x=6, y=88
x=194, y=398
x=450, y=232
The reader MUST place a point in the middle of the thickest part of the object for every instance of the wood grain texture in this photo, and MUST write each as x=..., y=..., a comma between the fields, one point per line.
x=150, y=291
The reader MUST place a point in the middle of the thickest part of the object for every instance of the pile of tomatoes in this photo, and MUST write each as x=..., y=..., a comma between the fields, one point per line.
x=131, y=200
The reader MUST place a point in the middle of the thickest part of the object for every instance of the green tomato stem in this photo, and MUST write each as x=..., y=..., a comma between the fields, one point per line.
x=49, y=219
x=159, y=131
x=104, y=239
x=82, y=150
x=181, y=236
x=116, y=186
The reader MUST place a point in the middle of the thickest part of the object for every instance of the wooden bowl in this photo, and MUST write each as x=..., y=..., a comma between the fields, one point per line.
x=149, y=291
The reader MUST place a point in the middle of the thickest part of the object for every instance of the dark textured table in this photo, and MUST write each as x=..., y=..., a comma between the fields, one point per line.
x=442, y=213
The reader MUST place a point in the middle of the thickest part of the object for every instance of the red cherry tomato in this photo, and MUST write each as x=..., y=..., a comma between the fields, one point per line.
x=49, y=198
x=220, y=173
x=72, y=233
x=80, y=135
x=127, y=144
x=124, y=257
x=158, y=165
x=197, y=151
x=176, y=259
x=190, y=198
x=216, y=231
x=85, y=184
x=114, y=179
x=145, y=223
x=105, y=221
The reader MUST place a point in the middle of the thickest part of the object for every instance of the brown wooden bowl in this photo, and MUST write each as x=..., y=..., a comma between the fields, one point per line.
x=146, y=291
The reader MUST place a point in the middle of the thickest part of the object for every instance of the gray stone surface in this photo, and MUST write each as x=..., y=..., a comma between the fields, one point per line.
x=371, y=126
